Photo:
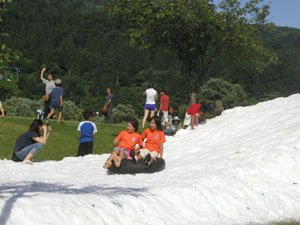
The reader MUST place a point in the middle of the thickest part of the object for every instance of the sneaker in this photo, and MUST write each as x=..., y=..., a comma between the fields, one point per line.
x=107, y=164
x=147, y=161
x=27, y=162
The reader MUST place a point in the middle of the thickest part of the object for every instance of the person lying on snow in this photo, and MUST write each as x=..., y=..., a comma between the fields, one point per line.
x=193, y=113
x=126, y=140
x=154, y=145
x=31, y=143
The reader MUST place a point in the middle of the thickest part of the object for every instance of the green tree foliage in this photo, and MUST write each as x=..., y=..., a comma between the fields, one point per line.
x=6, y=53
x=196, y=30
x=232, y=94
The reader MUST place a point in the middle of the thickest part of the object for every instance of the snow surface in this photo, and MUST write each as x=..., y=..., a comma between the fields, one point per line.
x=240, y=168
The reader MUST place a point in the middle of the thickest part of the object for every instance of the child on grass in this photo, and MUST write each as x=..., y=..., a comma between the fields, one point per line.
x=56, y=100
x=87, y=130
x=127, y=141
x=154, y=145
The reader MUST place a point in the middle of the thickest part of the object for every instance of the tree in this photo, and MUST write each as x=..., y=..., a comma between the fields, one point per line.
x=196, y=30
x=6, y=54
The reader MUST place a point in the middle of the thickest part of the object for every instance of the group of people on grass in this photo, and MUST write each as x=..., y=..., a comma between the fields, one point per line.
x=129, y=143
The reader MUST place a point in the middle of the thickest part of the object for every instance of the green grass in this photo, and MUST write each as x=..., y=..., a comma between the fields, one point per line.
x=63, y=139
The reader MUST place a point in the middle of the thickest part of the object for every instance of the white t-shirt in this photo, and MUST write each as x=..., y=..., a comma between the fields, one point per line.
x=0, y=104
x=150, y=96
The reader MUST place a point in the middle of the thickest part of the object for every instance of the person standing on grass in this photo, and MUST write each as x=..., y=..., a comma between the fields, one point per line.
x=56, y=100
x=31, y=143
x=49, y=87
x=151, y=96
x=87, y=130
x=1, y=110
x=108, y=105
x=164, y=105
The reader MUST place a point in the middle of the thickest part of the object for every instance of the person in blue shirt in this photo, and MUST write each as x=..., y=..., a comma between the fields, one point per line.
x=108, y=105
x=56, y=100
x=87, y=130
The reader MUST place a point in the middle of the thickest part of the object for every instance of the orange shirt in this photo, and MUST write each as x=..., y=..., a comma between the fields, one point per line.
x=154, y=139
x=129, y=140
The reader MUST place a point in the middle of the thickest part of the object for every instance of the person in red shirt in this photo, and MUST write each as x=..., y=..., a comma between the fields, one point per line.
x=192, y=113
x=154, y=145
x=126, y=141
x=164, y=105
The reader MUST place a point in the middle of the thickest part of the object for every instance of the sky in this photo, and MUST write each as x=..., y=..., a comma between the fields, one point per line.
x=283, y=12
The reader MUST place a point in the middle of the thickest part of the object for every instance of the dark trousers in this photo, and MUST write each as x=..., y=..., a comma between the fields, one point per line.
x=108, y=118
x=85, y=148
x=47, y=108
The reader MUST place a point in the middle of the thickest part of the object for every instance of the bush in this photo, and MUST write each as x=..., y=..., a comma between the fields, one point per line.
x=17, y=106
x=232, y=94
x=71, y=111
x=122, y=113
x=182, y=110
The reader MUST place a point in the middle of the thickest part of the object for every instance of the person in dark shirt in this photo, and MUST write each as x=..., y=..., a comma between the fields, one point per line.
x=30, y=143
x=56, y=100
x=108, y=105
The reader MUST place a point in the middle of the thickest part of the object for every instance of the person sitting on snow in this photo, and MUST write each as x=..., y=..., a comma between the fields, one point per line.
x=127, y=141
x=154, y=145
x=193, y=113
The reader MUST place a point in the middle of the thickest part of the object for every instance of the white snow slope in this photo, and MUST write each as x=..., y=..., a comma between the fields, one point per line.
x=240, y=168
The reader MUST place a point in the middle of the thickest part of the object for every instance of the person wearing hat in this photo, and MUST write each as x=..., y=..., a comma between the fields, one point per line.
x=49, y=87
x=56, y=100
x=174, y=126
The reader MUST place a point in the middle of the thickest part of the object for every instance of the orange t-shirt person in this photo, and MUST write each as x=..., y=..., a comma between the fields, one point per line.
x=128, y=140
x=154, y=139
x=125, y=141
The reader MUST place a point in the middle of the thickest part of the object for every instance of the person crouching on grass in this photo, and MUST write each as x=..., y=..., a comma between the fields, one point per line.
x=127, y=141
x=31, y=143
x=154, y=145
x=87, y=130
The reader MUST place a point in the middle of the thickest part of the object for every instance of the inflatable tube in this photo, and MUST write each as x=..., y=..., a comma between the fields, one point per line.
x=130, y=167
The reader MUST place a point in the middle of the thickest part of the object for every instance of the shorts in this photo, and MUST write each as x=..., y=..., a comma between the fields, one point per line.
x=85, y=148
x=56, y=106
x=150, y=106
x=165, y=117
x=144, y=152
x=187, y=119
x=122, y=150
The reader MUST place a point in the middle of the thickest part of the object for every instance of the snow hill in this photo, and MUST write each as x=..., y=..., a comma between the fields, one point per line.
x=240, y=168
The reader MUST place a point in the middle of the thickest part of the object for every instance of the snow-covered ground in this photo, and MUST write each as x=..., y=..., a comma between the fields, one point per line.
x=240, y=168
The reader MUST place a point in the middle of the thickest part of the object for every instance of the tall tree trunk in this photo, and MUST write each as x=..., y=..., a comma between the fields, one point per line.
x=193, y=97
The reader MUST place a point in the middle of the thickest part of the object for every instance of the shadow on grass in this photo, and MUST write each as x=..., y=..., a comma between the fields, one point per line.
x=30, y=189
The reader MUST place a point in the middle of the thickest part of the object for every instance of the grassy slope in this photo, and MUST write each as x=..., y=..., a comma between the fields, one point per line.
x=63, y=140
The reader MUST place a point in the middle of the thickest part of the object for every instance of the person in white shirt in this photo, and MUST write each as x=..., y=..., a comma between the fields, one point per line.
x=151, y=97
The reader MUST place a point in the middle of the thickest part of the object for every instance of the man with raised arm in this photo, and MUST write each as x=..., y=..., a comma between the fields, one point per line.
x=49, y=87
